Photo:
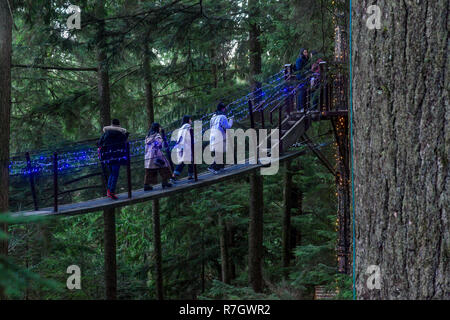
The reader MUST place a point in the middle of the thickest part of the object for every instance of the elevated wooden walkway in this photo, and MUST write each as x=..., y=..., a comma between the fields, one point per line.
x=183, y=185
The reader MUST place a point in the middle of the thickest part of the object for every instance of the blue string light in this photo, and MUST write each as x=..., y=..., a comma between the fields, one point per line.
x=68, y=161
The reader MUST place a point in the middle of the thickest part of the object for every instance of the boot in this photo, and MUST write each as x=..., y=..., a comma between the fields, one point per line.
x=111, y=195
x=166, y=185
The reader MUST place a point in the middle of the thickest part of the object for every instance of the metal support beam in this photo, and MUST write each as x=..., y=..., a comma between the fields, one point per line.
x=319, y=154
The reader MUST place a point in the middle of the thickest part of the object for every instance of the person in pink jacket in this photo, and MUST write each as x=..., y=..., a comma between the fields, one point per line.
x=155, y=161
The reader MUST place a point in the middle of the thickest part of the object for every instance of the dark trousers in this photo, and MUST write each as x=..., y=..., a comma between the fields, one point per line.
x=179, y=168
x=301, y=98
x=217, y=166
x=113, y=177
x=151, y=175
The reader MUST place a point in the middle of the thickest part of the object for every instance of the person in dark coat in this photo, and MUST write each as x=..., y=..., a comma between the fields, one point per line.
x=301, y=67
x=112, y=150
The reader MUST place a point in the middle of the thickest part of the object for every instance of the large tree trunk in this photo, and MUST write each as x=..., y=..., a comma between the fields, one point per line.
x=157, y=249
x=5, y=112
x=254, y=43
x=148, y=83
x=105, y=119
x=224, y=252
x=255, y=232
x=213, y=58
x=103, y=72
x=401, y=147
x=286, y=232
x=109, y=220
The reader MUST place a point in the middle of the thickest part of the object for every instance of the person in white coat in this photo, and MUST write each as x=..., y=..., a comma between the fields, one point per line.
x=183, y=146
x=219, y=124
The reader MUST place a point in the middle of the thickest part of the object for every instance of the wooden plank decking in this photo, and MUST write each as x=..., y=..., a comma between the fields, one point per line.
x=204, y=179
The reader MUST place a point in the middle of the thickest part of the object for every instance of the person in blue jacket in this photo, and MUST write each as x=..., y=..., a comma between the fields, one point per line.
x=301, y=67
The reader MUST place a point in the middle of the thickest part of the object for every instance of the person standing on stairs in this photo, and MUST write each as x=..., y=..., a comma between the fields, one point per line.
x=301, y=67
x=183, y=146
x=112, y=152
x=316, y=82
x=155, y=161
x=217, y=141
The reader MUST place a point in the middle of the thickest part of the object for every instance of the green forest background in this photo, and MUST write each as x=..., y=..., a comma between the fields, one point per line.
x=199, y=53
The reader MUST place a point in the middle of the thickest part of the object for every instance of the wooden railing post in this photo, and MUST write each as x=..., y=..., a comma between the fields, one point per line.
x=30, y=172
x=250, y=112
x=130, y=187
x=55, y=182
x=191, y=131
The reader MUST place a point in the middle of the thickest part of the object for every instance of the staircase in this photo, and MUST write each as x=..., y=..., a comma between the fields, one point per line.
x=293, y=126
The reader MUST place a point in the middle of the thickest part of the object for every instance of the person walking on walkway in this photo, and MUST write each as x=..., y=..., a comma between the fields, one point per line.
x=184, y=152
x=112, y=151
x=155, y=161
x=219, y=124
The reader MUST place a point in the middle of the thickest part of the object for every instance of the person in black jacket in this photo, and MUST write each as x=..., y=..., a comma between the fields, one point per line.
x=112, y=149
x=301, y=66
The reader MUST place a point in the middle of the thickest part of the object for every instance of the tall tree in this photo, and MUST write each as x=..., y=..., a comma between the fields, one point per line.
x=287, y=206
x=109, y=218
x=254, y=43
x=5, y=110
x=149, y=104
x=255, y=232
x=401, y=147
x=157, y=250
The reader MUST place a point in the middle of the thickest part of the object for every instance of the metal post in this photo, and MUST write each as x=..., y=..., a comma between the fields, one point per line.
x=250, y=112
x=280, y=114
x=308, y=99
x=129, y=170
x=286, y=72
x=191, y=131
x=262, y=118
x=323, y=89
x=55, y=182
x=33, y=190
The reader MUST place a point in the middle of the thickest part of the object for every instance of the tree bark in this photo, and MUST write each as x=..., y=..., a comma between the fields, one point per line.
x=157, y=249
x=224, y=256
x=401, y=147
x=5, y=114
x=255, y=232
x=148, y=83
x=213, y=58
x=286, y=235
x=254, y=43
x=109, y=220
x=105, y=119
x=103, y=69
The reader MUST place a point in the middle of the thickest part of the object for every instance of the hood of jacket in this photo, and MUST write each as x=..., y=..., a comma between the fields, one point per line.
x=115, y=128
x=153, y=137
x=185, y=126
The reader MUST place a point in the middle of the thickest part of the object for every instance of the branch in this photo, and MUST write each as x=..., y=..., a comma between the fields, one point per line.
x=52, y=68
x=182, y=90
